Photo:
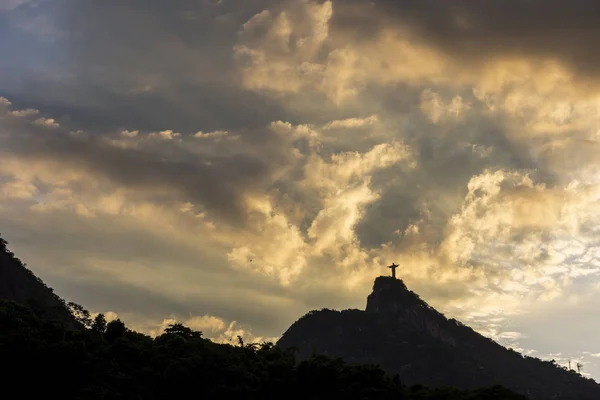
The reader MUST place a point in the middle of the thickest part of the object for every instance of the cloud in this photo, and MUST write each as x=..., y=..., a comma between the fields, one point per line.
x=510, y=335
x=213, y=328
x=281, y=55
x=25, y=113
x=207, y=135
x=17, y=190
x=434, y=107
x=351, y=122
x=123, y=163
x=59, y=186
x=7, y=5
x=401, y=44
x=46, y=122
x=279, y=49
x=216, y=136
x=468, y=30
x=130, y=134
x=108, y=88
x=165, y=135
x=282, y=256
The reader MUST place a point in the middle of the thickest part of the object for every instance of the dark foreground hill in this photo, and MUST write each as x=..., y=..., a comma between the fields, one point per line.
x=401, y=333
x=109, y=361
x=44, y=357
x=19, y=284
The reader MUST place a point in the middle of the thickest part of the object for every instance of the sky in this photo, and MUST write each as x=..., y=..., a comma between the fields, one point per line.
x=235, y=164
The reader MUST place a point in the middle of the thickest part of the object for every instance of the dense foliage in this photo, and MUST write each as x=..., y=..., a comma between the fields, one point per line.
x=109, y=361
x=19, y=284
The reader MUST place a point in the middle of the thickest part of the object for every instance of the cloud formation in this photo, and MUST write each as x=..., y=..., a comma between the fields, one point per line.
x=245, y=163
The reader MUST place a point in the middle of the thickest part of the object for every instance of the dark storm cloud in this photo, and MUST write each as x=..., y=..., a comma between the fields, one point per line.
x=215, y=177
x=475, y=31
x=188, y=109
x=137, y=65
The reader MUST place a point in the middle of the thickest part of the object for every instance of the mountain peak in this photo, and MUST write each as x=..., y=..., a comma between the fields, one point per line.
x=389, y=294
x=403, y=334
x=400, y=308
x=388, y=282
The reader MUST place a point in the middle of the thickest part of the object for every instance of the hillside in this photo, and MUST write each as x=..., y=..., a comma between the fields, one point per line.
x=404, y=335
x=110, y=362
x=19, y=284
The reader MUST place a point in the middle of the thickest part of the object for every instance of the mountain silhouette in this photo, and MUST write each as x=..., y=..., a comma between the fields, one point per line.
x=20, y=285
x=403, y=334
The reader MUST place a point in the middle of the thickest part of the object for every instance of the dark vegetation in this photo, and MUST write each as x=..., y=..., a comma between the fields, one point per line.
x=109, y=361
x=403, y=334
x=55, y=349
x=19, y=284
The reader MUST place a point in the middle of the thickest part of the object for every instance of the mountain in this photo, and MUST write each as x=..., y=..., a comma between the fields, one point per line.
x=19, y=284
x=403, y=334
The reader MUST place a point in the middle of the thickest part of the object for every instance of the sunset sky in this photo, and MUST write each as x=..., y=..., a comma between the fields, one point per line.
x=233, y=164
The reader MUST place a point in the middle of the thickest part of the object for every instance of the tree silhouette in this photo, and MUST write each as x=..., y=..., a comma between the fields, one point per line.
x=122, y=364
x=99, y=324
x=182, y=331
x=114, y=330
x=80, y=314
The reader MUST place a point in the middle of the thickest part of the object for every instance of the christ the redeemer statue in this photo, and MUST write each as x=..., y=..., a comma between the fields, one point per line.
x=393, y=267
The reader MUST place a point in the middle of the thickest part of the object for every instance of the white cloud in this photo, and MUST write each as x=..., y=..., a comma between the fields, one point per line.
x=129, y=133
x=165, y=135
x=434, y=107
x=291, y=48
x=214, y=328
x=46, y=122
x=352, y=122
x=108, y=315
x=510, y=335
x=24, y=113
x=17, y=189
x=276, y=247
x=348, y=166
x=211, y=135
x=279, y=51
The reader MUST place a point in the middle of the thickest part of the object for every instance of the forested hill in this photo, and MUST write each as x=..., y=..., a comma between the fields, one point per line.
x=403, y=334
x=19, y=284
x=55, y=350
x=109, y=361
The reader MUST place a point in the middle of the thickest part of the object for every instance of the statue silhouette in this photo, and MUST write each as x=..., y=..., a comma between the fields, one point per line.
x=393, y=268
